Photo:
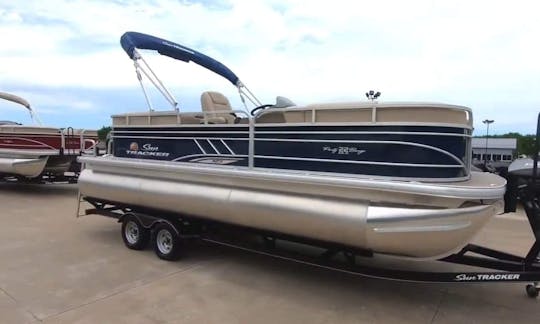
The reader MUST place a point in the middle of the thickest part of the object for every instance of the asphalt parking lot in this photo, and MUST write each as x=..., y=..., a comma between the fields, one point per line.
x=55, y=268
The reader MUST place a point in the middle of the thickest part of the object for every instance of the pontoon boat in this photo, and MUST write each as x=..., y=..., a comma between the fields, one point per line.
x=37, y=152
x=392, y=178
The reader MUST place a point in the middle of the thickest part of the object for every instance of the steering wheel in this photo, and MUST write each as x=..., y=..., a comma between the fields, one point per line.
x=254, y=110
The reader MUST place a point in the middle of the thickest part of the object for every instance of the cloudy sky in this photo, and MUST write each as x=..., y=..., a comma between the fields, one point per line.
x=64, y=55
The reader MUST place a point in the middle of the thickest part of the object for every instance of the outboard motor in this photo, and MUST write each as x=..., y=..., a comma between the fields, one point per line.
x=511, y=195
x=522, y=178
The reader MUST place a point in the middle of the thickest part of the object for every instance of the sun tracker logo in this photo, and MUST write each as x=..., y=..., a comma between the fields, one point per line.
x=147, y=150
x=487, y=277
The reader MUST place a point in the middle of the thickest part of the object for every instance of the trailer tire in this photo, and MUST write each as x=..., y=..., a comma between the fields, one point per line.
x=134, y=235
x=532, y=291
x=167, y=242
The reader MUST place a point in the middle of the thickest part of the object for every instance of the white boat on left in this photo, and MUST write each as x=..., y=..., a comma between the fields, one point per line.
x=37, y=153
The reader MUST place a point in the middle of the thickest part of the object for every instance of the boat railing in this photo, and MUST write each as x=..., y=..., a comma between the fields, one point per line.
x=82, y=141
x=83, y=144
x=92, y=147
x=62, y=141
x=67, y=139
x=214, y=119
x=70, y=139
x=110, y=143
x=180, y=118
x=237, y=113
x=376, y=113
x=251, y=124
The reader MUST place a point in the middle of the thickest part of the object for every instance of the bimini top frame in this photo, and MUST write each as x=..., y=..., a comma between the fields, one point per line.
x=23, y=102
x=131, y=41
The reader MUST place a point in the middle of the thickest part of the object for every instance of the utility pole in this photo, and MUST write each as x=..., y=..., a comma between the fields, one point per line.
x=487, y=122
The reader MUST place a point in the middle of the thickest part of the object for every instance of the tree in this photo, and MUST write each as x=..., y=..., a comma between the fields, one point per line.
x=525, y=143
x=103, y=132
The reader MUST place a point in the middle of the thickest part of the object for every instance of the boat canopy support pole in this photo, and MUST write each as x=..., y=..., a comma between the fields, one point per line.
x=16, y=99
x=154, y=79
x=35, y=117
x=242, y=99
x=248, y=94
x=139, y=77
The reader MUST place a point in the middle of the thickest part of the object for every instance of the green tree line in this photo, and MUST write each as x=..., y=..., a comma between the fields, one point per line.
x=102, y=133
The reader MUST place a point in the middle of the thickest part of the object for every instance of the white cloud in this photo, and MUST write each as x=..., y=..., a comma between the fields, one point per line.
x=482, y=54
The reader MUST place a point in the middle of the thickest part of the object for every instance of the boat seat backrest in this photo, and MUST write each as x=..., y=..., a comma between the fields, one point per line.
x=216, y=105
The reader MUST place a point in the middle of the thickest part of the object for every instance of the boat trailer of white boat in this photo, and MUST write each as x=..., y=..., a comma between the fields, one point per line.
x=168, y=233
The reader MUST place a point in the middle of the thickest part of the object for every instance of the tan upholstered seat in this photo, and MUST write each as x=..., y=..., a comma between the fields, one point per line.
x=216, y=105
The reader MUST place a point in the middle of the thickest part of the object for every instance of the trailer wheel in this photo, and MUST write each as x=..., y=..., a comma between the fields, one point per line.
x=134, y=235
x=532, y=290
x=167, y=242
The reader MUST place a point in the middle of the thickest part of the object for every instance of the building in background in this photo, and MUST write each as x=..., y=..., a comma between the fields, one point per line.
x=498, y=153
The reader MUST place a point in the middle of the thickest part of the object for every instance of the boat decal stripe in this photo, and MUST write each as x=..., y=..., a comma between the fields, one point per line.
x=213, y=147
x=295, y=132
x=199, y=145
x=28, y=140
x=360, y=162
x=196, y=139
x=299, y=128
x=369, y=142
x=227, y=146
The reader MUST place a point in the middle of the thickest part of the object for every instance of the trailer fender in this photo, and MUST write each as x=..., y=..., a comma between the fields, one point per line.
x=149, y=221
